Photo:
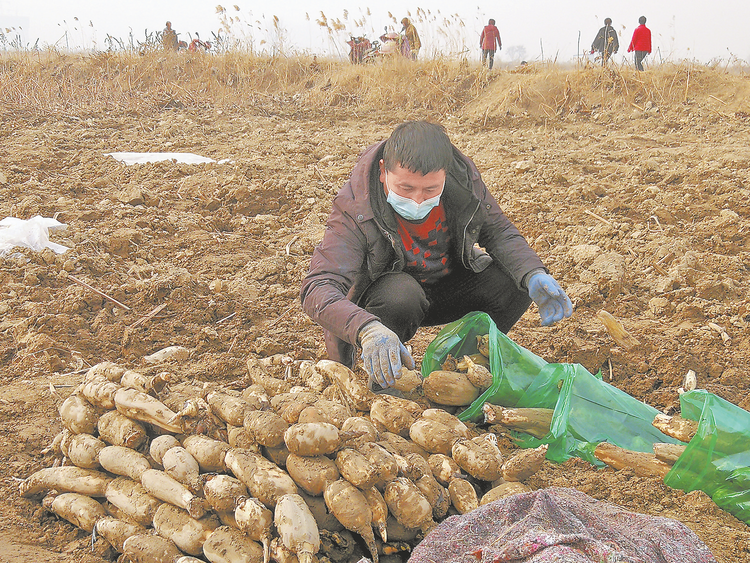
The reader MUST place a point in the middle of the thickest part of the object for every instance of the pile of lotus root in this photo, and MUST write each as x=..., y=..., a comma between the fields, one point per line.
x=297, y=461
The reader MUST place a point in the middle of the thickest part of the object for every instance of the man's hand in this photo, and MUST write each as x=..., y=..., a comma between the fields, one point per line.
x=553, y=302
x=383, y=353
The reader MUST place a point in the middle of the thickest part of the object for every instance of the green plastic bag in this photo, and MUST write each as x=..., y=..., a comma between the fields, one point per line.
x=717, y=459
x=514, y=368
x=589, y=411
x=586, y=409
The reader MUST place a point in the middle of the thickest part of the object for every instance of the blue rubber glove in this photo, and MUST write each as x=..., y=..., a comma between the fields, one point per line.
x=553, y=302
x=383, y=354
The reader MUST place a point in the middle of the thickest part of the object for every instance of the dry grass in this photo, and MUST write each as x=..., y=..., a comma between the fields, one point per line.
x=57, y=84
x=550, y=92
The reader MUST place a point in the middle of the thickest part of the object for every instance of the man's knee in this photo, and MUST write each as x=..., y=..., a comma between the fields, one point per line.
x=399, y=294
x=399, y=301
x=501, y=298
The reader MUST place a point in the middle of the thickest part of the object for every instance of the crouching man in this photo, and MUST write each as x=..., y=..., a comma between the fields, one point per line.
x=402, y=250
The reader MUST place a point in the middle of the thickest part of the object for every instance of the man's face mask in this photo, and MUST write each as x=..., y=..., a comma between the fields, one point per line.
x=408, y=208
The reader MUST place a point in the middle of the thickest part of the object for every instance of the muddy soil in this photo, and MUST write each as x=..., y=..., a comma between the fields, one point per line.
x=644, y=212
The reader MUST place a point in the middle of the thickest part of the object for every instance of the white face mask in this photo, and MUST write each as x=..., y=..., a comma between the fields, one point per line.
x=408, y=208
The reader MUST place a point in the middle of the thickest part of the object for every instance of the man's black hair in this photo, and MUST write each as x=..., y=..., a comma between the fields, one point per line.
x=418, y=146
x=642, y=20
x=607, y=21
x=492, y=22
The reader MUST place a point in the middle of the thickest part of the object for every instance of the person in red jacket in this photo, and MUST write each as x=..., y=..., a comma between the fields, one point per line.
x=641, y=43
x=487, y=41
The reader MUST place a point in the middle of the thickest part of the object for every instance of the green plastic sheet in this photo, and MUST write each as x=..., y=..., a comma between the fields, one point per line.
x=587, y=410
x=717, y=459
x=518, y=366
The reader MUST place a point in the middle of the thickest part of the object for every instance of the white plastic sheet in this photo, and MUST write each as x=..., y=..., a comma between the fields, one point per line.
x=29, y=233
x=144, y=157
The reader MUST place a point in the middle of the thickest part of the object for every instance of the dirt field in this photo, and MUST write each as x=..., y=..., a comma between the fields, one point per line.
x=636, y=199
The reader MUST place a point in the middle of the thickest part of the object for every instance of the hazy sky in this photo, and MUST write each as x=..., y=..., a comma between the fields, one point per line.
x=681, y=29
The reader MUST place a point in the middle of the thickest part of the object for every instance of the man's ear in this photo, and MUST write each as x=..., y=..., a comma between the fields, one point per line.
x=381, y=164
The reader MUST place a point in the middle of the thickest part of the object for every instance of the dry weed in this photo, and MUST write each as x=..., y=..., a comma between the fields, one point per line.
x=57, y=83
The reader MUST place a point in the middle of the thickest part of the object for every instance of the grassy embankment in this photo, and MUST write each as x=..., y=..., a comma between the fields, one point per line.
x=59, y=84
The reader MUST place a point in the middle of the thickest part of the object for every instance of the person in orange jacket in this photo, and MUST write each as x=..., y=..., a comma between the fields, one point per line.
x=641, y=43
x=411, y=34
x=487, y=41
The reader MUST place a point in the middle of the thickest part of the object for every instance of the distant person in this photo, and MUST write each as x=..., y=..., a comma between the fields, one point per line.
x=487, y=41
x=169, y=38
x=641, y=43
x=413, y=37
x=606, y=41
x=394, y=44
x=315, y=65
x=358, y=46
x=198, y=45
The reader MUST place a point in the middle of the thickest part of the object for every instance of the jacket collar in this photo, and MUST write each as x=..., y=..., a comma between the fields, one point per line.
x=364, y=176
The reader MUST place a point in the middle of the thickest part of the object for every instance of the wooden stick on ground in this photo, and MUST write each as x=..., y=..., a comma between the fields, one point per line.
x=229, y=316
x=281, y=316
x=101, y=293
x=149, y=316
x=618, y=333
x=659, y=269
x=666, y=258
x=598, y=217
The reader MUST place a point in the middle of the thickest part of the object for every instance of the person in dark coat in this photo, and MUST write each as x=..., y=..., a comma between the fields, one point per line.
x=169, y=38
x=606, y=41
x=640, y=43
x=415, y=239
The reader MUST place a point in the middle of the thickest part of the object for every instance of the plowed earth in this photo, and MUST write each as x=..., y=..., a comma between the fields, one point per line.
x=642, y=212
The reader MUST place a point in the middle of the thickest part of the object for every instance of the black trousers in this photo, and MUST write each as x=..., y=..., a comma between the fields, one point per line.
x=403, y=304
x=488, y=53
x=606, y=54
x=639, y=57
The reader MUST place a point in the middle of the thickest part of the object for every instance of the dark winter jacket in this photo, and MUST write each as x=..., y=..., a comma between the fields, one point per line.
x=361, y=243
x=607, y=37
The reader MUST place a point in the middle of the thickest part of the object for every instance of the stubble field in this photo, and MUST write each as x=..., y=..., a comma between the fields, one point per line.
x=634, y=190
